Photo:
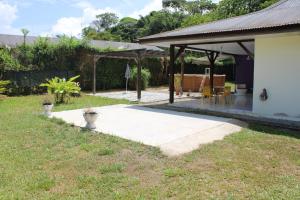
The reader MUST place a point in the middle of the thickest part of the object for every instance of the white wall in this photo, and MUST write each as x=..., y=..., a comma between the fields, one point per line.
x=277, y=68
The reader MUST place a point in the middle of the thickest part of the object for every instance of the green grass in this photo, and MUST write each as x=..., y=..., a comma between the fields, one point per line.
x=47, y=159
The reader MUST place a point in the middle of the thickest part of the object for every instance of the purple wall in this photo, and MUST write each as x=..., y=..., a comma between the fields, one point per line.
x=244, y=73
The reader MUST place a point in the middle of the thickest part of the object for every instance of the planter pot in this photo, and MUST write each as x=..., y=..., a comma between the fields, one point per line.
x=90, y=119
x=47, y=109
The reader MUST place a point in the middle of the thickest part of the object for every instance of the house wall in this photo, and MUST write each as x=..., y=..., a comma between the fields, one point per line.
x=277, y=68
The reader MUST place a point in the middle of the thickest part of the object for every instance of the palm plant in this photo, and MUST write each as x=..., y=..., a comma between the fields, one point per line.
x=62, y=89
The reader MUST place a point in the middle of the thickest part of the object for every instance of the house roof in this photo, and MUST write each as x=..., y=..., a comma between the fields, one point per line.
x=284, y=15
x=14, y=40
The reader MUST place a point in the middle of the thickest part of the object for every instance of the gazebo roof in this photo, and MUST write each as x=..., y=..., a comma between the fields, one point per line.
x=15, y=40
x=134, y=53
x=278, y=17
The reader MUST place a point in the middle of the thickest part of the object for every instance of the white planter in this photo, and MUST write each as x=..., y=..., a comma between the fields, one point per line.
x=90, y=119
x=48, y=109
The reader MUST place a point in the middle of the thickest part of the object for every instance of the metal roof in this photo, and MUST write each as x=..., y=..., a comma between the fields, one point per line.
x=14, y=40
x=133, y=54
x=284, y=14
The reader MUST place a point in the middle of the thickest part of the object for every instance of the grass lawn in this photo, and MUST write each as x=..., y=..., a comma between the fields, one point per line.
x=47, y=159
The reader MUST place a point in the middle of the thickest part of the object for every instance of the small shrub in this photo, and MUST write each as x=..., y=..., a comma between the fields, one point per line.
x=145, y=78
x=3, y=85
x=62, y=89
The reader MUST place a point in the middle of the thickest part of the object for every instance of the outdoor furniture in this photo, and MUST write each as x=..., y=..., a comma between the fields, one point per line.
x=195, y=83
x=207, y=95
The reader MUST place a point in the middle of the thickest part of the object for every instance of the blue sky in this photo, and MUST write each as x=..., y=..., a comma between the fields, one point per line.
x=52, y=17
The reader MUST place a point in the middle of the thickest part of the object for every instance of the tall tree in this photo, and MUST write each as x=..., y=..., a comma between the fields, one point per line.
x=105, y=21
x=230, y=8
x=177, y=5
x=126, y=29
x=199, y=7
x=25, y=32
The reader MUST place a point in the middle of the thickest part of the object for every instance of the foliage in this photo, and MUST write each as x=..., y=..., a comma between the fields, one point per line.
x=105, y=21
x=3, y=86
x=62, y=89
x=145, y=77
x=126, y=29
x=191, y=7
x=231, y=8
x=159, y=21
x=176, y=14
x=8, y=62
x=197, y=19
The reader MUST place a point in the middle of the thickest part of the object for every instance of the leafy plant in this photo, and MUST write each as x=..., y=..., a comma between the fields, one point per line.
x=146, y=75
x=62, y=89
x=3, y=85
x=8, y=62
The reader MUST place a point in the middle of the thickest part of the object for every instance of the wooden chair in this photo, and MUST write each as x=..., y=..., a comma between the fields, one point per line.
x=206, y=94
x=227, y=95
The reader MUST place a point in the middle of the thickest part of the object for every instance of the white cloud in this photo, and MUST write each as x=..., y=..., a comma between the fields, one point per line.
x=154, y=5
x=8, y=14
x=73, y=25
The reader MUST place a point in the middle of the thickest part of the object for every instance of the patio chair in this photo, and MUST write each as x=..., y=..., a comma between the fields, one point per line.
x=206, y=94
x=227, y=95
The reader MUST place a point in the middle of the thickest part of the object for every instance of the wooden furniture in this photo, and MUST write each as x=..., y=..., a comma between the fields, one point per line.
x=192, y=82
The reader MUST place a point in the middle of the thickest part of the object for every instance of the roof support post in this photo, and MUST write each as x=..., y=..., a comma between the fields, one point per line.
x=171, y=70
x=182, y=73
x=212, y=56
x=95, y=59
x=139, y=77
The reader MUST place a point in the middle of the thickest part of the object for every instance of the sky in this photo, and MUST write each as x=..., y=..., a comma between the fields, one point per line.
x=54, y=17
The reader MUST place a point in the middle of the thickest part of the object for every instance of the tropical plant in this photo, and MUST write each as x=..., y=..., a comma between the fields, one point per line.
x=3, y=85
x=8, y=62
x=62, y=89
x=146, y=75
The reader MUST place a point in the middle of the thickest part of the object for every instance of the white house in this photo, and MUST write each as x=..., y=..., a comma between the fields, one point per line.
x=271, y=37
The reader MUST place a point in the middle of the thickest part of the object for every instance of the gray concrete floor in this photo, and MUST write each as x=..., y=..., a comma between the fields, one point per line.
x=175, y=133
x=148, y=96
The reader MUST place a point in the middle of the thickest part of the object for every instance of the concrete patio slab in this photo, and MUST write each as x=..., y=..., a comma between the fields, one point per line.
x=147, y=96
x=175, y=133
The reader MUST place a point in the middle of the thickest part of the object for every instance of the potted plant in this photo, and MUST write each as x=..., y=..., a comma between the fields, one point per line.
x=48, y=105
x=90, y=116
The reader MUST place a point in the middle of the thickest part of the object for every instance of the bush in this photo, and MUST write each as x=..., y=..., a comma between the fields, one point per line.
x=62, y=89
x=3, y=85
x=145, y=78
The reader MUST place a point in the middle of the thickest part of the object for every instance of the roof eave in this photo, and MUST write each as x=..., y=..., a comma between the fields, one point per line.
x=227, y=34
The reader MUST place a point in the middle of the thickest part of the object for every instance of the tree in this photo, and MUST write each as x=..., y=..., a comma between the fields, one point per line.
x=25, y=33
x=199, y=7
x=126, y=29
x=177, y=5
x=159, y=21
x=197, y=19
x=190, y=7
x=105, y=21
x=231, y=8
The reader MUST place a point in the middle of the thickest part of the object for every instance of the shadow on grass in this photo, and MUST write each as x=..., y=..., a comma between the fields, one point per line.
x=274, y=131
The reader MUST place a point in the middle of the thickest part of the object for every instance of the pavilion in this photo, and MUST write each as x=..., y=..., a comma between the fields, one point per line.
x=271, y=37
x=138, y=53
